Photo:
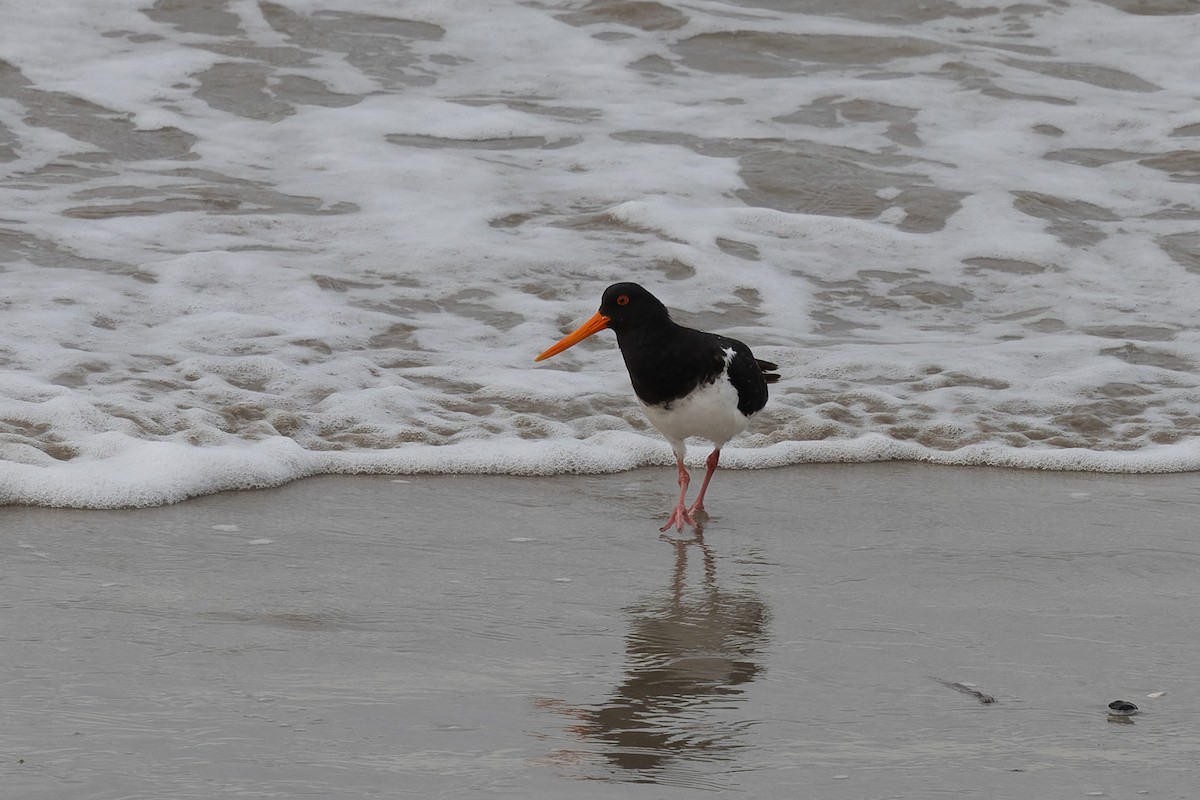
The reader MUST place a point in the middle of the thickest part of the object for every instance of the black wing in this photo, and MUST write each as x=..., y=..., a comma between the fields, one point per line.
x=747, y=376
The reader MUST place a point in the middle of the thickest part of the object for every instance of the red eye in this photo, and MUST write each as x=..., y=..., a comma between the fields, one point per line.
x=623, y=300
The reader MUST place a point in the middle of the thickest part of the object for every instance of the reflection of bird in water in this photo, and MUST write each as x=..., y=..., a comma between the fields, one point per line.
x=687, y=650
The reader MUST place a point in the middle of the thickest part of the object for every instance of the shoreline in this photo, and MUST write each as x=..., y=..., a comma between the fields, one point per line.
x=127, y=482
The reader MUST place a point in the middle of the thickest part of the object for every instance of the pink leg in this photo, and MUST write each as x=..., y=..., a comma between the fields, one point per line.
x=680, y=516
x=711, y=464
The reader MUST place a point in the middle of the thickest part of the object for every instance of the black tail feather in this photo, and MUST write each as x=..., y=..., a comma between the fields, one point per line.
x=766, y=366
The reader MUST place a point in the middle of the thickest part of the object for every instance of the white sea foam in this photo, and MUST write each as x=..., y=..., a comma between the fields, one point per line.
x=244, y=245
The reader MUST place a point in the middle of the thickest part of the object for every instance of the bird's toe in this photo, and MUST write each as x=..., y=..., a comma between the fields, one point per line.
x=680, y=516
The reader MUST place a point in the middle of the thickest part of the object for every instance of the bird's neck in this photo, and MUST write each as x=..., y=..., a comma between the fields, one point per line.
x=662, y=367
x=650, y=340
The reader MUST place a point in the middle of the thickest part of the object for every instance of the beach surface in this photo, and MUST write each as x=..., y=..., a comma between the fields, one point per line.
x=836, y=632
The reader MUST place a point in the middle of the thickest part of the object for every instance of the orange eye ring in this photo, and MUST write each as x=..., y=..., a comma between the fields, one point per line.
x=623, y=300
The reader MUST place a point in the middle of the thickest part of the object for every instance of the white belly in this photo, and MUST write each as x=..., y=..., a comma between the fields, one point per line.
x=710, y=413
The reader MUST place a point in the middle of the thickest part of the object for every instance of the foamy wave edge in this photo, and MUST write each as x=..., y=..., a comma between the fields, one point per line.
x=145, y=474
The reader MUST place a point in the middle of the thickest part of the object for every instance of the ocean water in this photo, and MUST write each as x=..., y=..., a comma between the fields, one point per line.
x=243, y=243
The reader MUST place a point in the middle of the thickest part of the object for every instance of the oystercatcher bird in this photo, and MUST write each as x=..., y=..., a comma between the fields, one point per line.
x=688, y=382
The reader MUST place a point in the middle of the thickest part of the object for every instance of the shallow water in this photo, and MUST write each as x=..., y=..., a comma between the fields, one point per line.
x=484, y=637
x=243, y=243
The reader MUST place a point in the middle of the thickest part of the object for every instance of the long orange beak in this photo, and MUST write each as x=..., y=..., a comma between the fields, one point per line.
x=597, y=323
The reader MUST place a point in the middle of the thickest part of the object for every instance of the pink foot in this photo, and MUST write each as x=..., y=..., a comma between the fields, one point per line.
x=679, y=517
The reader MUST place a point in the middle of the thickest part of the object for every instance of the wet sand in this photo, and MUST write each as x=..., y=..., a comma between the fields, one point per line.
x=476, y=636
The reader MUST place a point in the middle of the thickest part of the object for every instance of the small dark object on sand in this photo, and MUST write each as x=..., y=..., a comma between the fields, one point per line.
x=986, y=699
x=1123, y=707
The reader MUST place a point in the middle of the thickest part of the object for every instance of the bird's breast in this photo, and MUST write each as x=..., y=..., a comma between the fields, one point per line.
x=710, y=411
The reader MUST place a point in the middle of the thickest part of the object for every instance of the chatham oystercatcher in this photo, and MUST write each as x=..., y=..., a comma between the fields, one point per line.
x=688, y=382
